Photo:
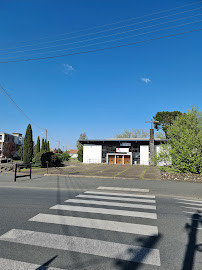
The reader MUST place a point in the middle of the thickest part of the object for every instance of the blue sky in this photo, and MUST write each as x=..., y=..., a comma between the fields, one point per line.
x=105, y=92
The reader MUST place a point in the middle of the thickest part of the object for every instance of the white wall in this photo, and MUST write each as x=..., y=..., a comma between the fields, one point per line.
x=144, y=154
x=92, y=153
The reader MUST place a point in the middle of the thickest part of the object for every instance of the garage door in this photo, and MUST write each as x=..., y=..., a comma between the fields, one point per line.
x=111, y=159
x=126, y=159
x=119, y=159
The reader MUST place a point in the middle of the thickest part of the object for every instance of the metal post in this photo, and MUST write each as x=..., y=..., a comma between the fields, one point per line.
x=15, y=174
x=47, y=167
x=46, y=135
x=30, y=173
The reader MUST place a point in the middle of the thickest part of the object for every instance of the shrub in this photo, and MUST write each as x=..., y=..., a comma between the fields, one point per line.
x=37, y=159
x=65, y=156
x=53, y=159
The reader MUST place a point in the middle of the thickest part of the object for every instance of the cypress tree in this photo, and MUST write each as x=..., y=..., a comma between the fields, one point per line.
x=37, y=147
x=43, y=145
x=28, y=146
x=48, y=146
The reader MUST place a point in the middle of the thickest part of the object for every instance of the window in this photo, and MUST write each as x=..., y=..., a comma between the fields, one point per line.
x=0, y=137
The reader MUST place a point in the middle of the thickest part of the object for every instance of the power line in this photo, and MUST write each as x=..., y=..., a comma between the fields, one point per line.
x=101, y=37
x=16, y=105
x=106, y=30
x=101, y=49
x=25, y=115
x=113, y=35
x=134, y=18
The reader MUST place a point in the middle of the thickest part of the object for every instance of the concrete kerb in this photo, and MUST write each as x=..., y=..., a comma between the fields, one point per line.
x=90, y=176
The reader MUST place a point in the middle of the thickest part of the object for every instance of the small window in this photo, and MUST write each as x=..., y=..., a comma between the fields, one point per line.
x=0, y=137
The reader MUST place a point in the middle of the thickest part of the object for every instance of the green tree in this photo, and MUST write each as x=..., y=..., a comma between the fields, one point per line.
x=37, y=146
x=82, y=136
x=48, y=146
x=165, y=119
x=185, y=139
x=43, y=145
x=28, y=146
x=20, y=152
x=134, y=133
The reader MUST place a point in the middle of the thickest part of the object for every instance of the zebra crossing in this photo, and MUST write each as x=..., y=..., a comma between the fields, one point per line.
x=104, y=202
x=191, y=208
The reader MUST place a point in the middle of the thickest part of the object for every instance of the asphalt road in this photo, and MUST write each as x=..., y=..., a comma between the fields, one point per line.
x=157, y=226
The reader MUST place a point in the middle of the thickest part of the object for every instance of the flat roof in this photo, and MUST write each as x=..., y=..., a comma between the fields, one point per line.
x=123, y=140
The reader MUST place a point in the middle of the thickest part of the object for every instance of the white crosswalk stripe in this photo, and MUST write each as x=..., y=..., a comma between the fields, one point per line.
x=97, y=224
x=120, y=194
x=200, y=209
x=105, y=211
x=84, y=245
x=128, y=205
x=6, y=264
x=124, y=189
x=195, y=201
x=115, y=198
x=105, y=201
x=186, y=203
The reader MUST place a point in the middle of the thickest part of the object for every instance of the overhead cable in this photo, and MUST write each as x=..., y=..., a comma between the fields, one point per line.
x=101, y=49
x=28, y=45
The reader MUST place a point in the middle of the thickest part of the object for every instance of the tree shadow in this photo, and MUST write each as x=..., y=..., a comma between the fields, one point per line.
x=136, y=258
x=192, y=245
x=45, y=266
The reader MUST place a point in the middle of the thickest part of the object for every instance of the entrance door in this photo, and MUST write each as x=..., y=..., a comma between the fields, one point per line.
x=127, y=160
x=111, y=159
x=119, y=159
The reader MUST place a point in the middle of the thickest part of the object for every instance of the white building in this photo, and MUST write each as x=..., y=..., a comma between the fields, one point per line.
x=119, y=150
x=5, y=138
x=73, y=153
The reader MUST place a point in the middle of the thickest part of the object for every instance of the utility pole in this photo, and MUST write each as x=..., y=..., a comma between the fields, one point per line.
x=46, y=135
x=151, y=141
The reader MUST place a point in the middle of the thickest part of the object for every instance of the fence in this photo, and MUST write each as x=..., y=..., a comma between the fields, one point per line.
x=20, y=166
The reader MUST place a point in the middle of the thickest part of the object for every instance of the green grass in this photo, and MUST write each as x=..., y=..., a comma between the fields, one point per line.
x=169, y=169
x=74, y=160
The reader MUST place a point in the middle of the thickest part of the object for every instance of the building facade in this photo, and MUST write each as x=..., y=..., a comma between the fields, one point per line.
x=119, y=150
x=73, y=153
x=15, y=138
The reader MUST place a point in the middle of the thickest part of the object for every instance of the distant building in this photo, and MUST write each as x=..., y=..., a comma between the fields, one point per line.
x=73, y=153
x=16, y=138
x=120, y=150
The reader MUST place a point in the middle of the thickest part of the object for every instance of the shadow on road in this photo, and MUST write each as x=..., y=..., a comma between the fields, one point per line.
x=45, y=266
x=192, y=245
x=137, y=258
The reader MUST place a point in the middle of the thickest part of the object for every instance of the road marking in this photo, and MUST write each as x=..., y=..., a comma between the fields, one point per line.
x=6, y=264
x=84, y=245
x=192, y=207
x=105, y=211
x=97, y=224
x=128, y=205
x=189, y=200
x=121, y=194
x=191, y=212
x=199, y=219
x=124, y=189
x=116, y=198
x=195, y=204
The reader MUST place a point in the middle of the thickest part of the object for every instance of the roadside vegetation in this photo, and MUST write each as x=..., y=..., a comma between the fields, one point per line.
x=183, y=151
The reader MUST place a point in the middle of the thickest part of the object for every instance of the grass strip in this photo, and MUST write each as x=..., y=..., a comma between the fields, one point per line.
x=142, y=175
x=122, y=171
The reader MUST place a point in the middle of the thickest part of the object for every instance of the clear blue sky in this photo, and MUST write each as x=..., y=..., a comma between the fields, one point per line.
x=105, y=92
